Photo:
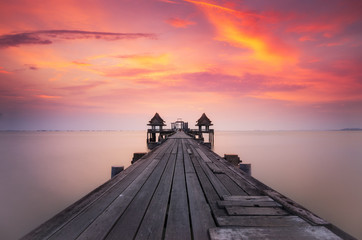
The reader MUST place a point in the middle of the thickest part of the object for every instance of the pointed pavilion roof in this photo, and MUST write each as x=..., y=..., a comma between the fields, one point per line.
x=156, y=121
x=204, y=121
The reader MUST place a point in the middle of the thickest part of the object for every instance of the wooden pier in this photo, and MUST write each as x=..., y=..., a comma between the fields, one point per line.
x=183, y=190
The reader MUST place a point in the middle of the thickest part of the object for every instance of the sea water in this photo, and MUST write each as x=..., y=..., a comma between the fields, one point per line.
x=43, y=172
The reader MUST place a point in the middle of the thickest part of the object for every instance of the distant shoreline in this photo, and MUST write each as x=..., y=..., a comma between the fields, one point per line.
x=351, y=129
x=323, y=130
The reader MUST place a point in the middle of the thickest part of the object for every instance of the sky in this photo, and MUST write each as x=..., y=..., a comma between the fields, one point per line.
x=247, y=64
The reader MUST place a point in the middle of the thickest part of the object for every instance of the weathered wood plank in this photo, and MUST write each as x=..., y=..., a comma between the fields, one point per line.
x=257, y=187
x=229, y=170
x=209, y=190
x=219, y=187
x=152, y=225
x=295, y=208
x=127, y=225
x=248, y=203
x=100, y=227
x=260, y=221
x=189, y=168
x=202, y=155
x=280, y=233
x=214, y=168
x=230, y=185
x=79, y=223
x=178, y=223
x=200, y=212
x=255, y=211
x=248, y=198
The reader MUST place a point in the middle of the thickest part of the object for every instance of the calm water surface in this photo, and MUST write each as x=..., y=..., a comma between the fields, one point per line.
x=41, y=173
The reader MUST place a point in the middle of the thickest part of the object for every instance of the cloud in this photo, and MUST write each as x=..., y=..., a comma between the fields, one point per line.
x=82, y=88
x=79, y=63
x=179, y=23
x=129, y=72
x=47, y=96
x=148, y=59
x=249, y=30
x=168, y=1
x=46, y=36
x=3, y=71
x=32, y=66
x=248, y=83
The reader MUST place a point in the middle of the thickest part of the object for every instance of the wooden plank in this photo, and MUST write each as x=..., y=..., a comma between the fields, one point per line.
x=189, y=168
x=128, y=224
x=260, y=221
x=73, y=228
x=192, y=166
x=280, y=233
x=255, y=211
x=229, y=170
x=230, y=185
x=202, y=155
x=214, y=168
x=200, y=212
x=295, y=208
x=100, y=227
x=219, y=187
x=189, y=151
x=255, y=187
x=248, y=198
x=248, y=203
x=178, y=223
x=152, y=225
x=180, y=135
x=210, y=192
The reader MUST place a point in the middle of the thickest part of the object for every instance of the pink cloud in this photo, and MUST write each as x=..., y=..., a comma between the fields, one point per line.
x=82, y=88
x=306, y=38
x=43, y=96
x=218, y=82
x=168, y=1
x=128, y=72
x=179, y=23
x=43, y=37
x=4, y=71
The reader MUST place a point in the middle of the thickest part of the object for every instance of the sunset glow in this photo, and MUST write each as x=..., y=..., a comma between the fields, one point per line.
x=247, y=64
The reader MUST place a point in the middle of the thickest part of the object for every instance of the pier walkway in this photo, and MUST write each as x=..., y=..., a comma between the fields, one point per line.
x=183, y=190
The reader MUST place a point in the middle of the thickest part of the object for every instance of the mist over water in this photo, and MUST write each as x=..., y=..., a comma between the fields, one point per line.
x=41, y=173
x=319, y=170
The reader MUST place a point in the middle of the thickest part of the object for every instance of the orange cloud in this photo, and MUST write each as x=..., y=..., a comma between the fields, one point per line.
x=243, y=30
x=306, y=38
x=148, y=59
x=4, y=71
x=168, y=1
x=47, y=96
x=81, y=63
x=179, y=23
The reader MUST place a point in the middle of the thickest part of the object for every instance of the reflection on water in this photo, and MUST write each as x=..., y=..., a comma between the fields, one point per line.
x=41, y=173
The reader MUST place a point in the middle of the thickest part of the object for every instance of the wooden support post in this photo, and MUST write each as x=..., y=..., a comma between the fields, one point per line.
x=245, y=167
x=116, y=170
x=137, y=156
x=232, y=158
